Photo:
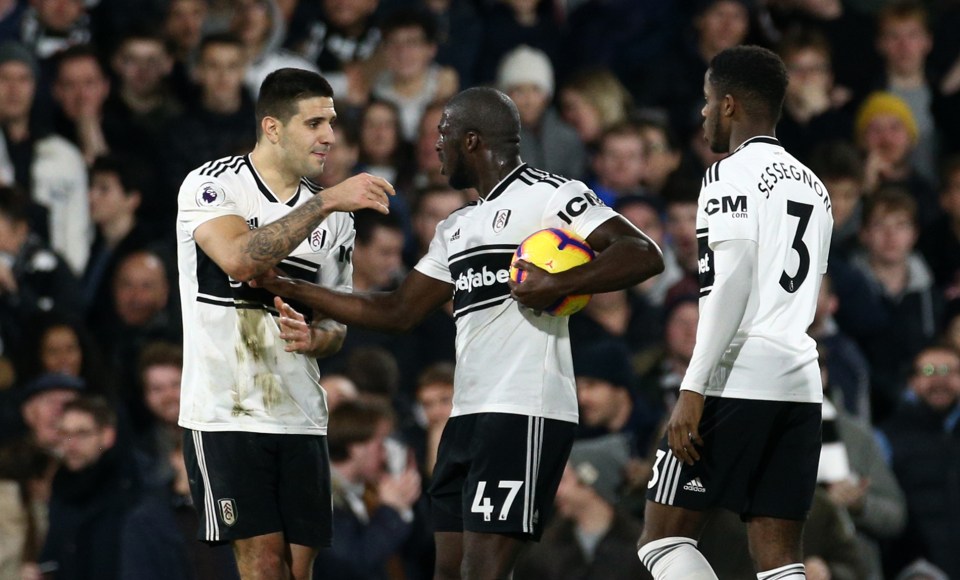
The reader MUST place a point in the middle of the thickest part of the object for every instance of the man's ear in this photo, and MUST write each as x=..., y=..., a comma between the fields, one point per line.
x=728, y=106
x=271, y=128
x=471, y=141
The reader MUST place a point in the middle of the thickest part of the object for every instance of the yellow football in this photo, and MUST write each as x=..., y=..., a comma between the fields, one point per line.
x=554, y=250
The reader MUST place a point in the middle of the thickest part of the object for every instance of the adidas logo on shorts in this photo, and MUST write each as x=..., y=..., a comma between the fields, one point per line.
x=695, y=485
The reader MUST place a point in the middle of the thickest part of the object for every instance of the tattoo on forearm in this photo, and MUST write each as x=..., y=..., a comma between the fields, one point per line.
x=274, y=242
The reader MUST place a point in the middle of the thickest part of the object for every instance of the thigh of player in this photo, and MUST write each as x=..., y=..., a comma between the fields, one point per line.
x=499, y=472
x=250, y=484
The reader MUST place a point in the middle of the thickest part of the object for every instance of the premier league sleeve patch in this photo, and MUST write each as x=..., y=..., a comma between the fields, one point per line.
x=210, y=195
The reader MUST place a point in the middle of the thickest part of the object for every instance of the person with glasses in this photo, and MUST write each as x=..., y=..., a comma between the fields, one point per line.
x=924, y=441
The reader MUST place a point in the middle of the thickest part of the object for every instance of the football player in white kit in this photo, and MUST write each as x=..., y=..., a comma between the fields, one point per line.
x=254, y=413
x=514, y=412
x=745, y=432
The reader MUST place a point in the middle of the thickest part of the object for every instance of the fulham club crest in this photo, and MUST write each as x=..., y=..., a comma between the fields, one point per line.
x=228, y=511
x=500, y=220
x=317, y=239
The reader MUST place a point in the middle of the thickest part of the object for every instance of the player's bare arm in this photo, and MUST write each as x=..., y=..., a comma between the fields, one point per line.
x=625, y=257
x=245, y=254
x=395, y=311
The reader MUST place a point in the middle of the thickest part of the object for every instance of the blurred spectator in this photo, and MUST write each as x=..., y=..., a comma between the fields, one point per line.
x=546, y=141
x=59, y=343
x=93, y=490
x=681, y=202
x=45, y=165
x=829, y=544
x=160, y=371
x=33, y=278
x=116, y=185
x=675, y=81
x=911, y=307
x=412, y=79
x=951, y=334
x=904, y=42
x=840, y=167
x=513, y=23
x=373, y=507
x=143, y=312
x=627, y=317
x=662, y=154
x=662, y=368
x=428, y=170
x=11, y=15
x=886, y=131
x=158, y=538
x=921, y=570
x=338, y=36
x=589, y=538
x=459, y=36
x=377, y=252
x=217, y=124
x=644, y=213
x=342, y=159
x=592, y=101
x=25, y=474
x=262, y=29
x=813, y=111
x=142, y=103
x=923, y=437
x=383, y=152
x=433, y=205
x=41, y=407
x=50, y=26
x=609, y=405
x=434, y=403
x=849, y=32
x=183, y=30
x=339, y=388
x=619, y=164
x=848, y=367
x=940, y=243
x=854, y=472
x=80, y=89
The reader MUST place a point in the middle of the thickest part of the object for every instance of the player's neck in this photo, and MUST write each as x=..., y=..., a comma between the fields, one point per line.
x=281, y=183
x=493, y=172
x=740, y=134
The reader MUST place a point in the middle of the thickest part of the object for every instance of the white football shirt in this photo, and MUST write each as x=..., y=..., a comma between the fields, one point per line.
x=762, y=193
x=236, y=374
x=509, y=360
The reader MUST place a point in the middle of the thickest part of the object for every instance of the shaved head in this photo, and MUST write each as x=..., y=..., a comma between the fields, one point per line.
x=489, y=113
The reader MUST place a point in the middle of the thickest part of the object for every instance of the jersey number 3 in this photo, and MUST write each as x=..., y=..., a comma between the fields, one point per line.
x=802, y=212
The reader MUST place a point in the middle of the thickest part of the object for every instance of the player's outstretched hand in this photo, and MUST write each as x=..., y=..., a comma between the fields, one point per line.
x=273, y=280
x=294, y=329
x=539, y=288
x=683, y=429
x=361, y=191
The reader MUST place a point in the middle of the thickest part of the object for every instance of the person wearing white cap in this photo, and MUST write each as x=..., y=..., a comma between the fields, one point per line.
x=546, y=141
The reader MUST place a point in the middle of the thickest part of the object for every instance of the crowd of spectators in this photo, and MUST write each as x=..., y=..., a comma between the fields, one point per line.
x=105, y=105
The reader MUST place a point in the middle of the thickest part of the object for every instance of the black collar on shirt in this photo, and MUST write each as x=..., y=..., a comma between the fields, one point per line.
x=505, y=183
x=758, y=139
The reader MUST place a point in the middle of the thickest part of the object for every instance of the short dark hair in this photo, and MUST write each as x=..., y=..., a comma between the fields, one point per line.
x=407, y=18
x=95, y=406
x=365, y=222
x=488, y=112
x=889, y=198
x=129, y=171
x=76, y=52
x=837, y=160
x=227, y=38
x=353, y=422
x=159, y=354
x=752, y=74
x=438, y=373
x=799, y=38
x=284, y=88
x=14, y=204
